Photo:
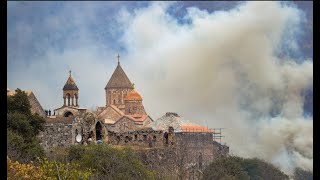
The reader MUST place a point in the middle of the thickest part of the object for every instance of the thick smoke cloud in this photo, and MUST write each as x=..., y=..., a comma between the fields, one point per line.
x=222, y=70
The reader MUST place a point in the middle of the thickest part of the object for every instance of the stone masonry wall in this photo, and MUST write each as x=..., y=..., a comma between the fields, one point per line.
x=198, y=147
x=56, y=135
x=141, y=138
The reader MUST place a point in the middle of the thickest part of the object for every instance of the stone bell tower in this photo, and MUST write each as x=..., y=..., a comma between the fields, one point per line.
x=70, y=93
x=118, y=87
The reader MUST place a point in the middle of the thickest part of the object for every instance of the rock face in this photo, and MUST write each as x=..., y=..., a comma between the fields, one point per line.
x=186, y=159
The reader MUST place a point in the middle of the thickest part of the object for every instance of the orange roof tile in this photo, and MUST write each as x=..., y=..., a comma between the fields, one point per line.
x=194, y=128
x=133, y=95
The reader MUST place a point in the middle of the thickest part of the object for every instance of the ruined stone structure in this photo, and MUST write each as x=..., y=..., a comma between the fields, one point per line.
x=58, y=133
x=35, y=105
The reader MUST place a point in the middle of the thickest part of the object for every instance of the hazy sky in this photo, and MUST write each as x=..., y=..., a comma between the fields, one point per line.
x=245, y=66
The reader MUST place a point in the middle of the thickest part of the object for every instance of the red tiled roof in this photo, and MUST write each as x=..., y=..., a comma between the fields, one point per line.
x=133, y=95
x=194, y=128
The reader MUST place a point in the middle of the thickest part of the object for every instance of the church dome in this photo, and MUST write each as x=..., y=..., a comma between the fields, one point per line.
x=70, y=84
x=133, y=95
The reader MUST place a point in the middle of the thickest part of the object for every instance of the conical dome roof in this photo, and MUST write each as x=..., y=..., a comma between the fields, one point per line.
x=133, y=95
x=70, y=84
x=119, y=79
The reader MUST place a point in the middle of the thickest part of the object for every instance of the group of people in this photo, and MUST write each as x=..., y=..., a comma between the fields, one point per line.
x=48, y=112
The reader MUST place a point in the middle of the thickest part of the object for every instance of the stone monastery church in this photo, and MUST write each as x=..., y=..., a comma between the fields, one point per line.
x=124, y=121
x=123, y=111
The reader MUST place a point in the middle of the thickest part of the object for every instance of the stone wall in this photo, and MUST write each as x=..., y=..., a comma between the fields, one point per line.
x=122, y=125
x=56, y=135
x=199, y=148
x=142, y=138
x=134, y=107
x=116, y=96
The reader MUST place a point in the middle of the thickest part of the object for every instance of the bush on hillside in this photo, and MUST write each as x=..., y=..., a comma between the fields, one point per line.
x=109, y=162
x=240, y=168
x=22, y=129
x=45, y=170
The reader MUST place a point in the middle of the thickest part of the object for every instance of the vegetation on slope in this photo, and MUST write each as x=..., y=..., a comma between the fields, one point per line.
x=22, y=128
x=103, y=161
x=109, y=162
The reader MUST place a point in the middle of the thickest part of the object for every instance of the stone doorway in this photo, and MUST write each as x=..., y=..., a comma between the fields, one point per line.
x=68, y=114
x=98, y=131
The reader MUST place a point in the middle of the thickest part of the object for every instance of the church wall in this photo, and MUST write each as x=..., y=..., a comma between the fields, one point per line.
x=124, y=124
x=117, y=94
x=109, y=113
x=60, y=112
x=197, y=146
x=134, y=107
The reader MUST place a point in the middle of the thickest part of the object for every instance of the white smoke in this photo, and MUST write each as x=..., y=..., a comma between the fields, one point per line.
x=222, y=69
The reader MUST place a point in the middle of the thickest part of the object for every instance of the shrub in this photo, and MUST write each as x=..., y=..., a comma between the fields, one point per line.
x=58, y=170
x=22, y=129
x=46, y=170
x=239, y=168
x=109, y=162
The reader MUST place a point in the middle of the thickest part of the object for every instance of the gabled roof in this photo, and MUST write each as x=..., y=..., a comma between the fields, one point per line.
x=102, y=113
x=137, y=122
x=119, y=79
x=70, y=84
x=116, y=109
x=138, y=117
x=71, y=107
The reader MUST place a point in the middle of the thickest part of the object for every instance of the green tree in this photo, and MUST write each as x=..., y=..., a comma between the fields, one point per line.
x=109, y=162
x=226, y=168
x=22, y=128
x=19, y=102
x=240, y=168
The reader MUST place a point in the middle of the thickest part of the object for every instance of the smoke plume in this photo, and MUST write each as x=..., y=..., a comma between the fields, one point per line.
x=223, y=70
